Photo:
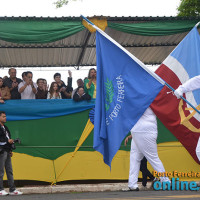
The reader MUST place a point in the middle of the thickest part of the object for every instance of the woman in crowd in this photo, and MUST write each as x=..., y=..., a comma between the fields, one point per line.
x=4, y=92
x=90, y=83
x=54, y=92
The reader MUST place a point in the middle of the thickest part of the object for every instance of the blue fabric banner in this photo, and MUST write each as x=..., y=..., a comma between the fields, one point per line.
x=124, y=91
x=42, y=108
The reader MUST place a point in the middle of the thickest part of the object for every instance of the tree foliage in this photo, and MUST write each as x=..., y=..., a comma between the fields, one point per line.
x=189, y=8
x=60, y=3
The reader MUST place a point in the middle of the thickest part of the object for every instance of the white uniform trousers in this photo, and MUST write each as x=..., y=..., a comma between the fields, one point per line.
x=144, y=144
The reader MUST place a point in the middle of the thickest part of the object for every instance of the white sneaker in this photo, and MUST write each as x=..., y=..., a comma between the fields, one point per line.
x=3, y=193
x=15, y=192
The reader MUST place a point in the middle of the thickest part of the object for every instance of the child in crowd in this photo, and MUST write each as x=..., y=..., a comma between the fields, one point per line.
x=54, y=92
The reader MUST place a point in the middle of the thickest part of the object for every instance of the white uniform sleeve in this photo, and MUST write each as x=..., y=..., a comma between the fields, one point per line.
x=190, y=85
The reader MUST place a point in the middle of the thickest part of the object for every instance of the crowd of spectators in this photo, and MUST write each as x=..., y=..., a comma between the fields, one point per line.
x=15, y=88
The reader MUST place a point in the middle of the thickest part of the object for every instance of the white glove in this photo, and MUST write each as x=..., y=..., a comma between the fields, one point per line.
x=178, y=93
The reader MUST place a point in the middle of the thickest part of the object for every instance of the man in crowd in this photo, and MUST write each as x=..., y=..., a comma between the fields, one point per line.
x=80, y=95
x=5, y=157
x=23, y=76
x=63, y=89
x=80, y=83
x=27, y=88
x=12, y=83
x=41, y=90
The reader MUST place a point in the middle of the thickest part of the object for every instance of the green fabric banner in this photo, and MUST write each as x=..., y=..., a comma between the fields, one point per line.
x=51, y=138
x=27, y=31
x=155, y=28
x=37, y=31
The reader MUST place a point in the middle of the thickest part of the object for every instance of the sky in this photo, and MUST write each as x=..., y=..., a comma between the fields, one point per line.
x=87, y=8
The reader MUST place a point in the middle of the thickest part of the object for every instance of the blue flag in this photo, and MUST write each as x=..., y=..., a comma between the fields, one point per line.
x=125, y=89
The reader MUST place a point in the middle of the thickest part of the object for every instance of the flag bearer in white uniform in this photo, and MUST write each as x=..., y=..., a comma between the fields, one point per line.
x=188, y=86
x=144, y=136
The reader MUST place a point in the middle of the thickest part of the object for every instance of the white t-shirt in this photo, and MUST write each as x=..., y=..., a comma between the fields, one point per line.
x=28, y=92
x=54, y=97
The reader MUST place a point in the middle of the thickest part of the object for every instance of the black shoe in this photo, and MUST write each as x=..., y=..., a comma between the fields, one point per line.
x=134, y=189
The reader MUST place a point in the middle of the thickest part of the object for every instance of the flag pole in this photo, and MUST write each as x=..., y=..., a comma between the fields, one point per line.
x=142, y=64
x=170, y=87
x=87, y=20
x=197, y=24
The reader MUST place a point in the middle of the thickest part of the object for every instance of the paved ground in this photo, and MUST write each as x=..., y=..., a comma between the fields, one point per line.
x=102, y=191
x=77, y=188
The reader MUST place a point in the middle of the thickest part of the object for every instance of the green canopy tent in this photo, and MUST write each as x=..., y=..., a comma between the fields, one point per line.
x=51, y=42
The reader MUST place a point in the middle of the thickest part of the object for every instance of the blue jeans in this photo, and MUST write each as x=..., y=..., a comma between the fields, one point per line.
x=5, y=162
